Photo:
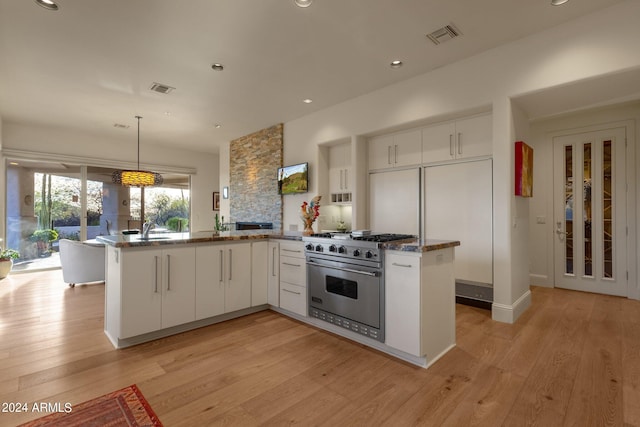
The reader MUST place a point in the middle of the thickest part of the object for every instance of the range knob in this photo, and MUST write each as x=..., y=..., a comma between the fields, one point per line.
x=342, y=250
x=356, y=252
x=368, y=254
x=319, y=248
x=309, y=247
x=333, y=248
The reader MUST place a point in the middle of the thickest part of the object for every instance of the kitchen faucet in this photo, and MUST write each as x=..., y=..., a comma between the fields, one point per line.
x=146, y=228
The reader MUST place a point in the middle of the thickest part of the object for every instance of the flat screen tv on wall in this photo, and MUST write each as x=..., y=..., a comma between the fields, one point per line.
x=293, y=179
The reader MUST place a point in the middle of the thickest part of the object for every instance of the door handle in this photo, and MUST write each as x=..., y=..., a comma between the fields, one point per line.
x=389, y=154
x=559, y=230
x=451, y=144
x=273, y=263
x=168, y=272
x=459, y=142
x=230, y=263
x=156, y=274
x=221, y=266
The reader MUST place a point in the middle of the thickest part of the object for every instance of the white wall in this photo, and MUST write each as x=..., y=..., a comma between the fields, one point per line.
x=589, y=47
x=98, y=151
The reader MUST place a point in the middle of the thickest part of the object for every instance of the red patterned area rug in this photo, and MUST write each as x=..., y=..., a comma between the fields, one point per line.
x=126, y=407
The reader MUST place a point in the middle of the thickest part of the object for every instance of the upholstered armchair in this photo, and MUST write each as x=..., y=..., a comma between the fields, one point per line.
x=81, y=262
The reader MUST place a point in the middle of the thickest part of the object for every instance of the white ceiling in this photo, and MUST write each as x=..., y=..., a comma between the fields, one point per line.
x=90, y=64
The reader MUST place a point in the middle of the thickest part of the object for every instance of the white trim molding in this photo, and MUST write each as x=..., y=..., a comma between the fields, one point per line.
x=92, y=161
x=510, y=313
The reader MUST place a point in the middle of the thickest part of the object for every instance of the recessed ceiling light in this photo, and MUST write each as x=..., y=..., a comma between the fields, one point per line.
x=217, y=125
x=217, y=67
x=396, y=64
x=307, y=101
x=167, y=113
x=47, y=4
x=14, y=163
x=303, y=3
x=558, y=2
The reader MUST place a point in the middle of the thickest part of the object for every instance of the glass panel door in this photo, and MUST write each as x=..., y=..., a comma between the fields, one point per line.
x=590, y=229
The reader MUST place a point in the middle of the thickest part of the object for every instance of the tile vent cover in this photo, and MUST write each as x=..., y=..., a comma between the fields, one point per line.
x=443, y=34
x=160, y=88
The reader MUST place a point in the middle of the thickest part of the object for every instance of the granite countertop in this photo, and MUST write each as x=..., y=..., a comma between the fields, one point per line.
x=161, y=239
x=420, y=245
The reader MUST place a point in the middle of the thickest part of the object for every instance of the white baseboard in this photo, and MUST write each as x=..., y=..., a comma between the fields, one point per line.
x=510, y=313
x=541, y=280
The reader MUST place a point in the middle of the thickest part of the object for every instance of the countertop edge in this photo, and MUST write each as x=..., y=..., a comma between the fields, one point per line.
x=135, y=241
x=419, y=245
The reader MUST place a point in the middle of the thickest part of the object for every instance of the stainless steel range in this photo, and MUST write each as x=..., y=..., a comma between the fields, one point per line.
x=345, y=279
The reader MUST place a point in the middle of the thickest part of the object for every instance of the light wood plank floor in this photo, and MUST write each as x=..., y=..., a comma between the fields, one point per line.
x=572, y=359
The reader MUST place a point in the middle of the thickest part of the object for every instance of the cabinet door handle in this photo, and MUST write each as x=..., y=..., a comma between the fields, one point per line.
x=291, y=292
x=221, y=265
x=292, y=265
x=459, y=143
x=273, y=263
x=346, y=182
x=341, y=171
x=401, y=265
x=168, y=272
x=451, y=144
x=156, y=274
x=395, y=154
x=291, y=250
x=230, y=262
x=389, y=155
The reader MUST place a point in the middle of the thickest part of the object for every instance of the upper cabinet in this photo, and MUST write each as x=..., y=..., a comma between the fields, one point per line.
x=340, y=173
x=395, y=150
x=458, y=139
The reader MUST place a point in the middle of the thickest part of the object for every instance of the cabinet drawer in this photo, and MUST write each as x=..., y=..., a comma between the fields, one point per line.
x=293, y=298
x=293, y=270
x=292, y=249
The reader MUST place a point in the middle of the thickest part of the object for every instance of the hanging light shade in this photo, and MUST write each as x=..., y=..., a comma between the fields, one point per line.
x=137, y=178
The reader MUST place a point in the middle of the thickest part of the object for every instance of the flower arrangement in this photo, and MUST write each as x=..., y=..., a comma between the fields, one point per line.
x=8, y=254
x=309, y=213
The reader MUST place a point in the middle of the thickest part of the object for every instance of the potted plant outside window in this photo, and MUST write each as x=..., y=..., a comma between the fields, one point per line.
x=6, y=261
x=43, y=239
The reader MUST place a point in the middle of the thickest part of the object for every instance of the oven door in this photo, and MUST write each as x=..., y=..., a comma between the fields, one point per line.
x=348, y=290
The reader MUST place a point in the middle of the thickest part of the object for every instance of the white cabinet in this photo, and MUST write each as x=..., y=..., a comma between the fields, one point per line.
x=396, y=150
x=237, y=276
x=223, y=279
x=273, y=280
x=402, y=303
x=340, y=177
x=420, y=302
x=293, y=278
x=259, y=273
x=157, y=289
x=210, y=283
x=459, y=139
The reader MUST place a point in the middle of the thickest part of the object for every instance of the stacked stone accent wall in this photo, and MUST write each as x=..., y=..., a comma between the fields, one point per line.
x=253, y=186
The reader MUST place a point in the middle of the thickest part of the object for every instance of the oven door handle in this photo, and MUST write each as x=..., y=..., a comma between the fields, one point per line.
x=348, y=270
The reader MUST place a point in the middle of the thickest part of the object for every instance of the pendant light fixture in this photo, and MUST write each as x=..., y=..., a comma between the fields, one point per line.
x=137, y=178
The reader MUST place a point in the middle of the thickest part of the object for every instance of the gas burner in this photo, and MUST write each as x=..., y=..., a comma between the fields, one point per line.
x=321, y=235
x=382, y=238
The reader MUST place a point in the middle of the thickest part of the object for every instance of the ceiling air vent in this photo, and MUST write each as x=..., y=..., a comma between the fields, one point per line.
x=120, y=126
x=160, y=88
x=443, y=34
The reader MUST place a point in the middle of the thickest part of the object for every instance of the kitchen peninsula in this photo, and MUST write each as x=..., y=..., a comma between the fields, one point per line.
x=174, y=282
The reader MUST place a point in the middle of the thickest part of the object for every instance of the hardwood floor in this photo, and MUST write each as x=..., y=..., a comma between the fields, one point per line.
x=572, y=359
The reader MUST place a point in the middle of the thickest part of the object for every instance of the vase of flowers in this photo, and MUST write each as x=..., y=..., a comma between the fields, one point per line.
x=309, y=213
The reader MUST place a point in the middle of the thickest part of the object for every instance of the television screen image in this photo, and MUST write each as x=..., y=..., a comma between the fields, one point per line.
x=293, y=179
